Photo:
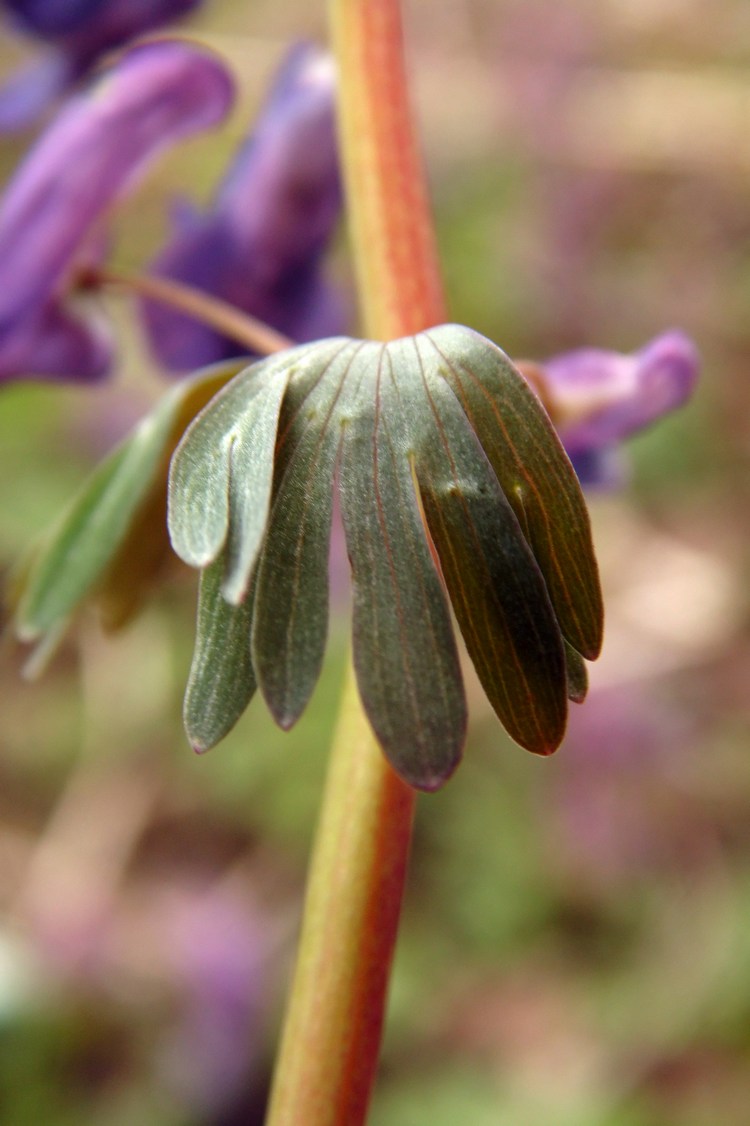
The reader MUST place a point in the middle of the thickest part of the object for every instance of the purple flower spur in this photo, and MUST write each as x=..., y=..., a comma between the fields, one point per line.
x=93, y=152
x=260, y=245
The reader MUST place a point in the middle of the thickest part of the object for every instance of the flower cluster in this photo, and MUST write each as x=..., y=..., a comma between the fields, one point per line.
x=259, y=246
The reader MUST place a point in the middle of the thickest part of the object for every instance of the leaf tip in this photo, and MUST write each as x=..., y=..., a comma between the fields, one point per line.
x=285, y=718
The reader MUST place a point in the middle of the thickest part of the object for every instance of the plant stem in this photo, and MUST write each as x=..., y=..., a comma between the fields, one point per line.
x=390, y=222
x=225, y=318
x=329, y=1052
x=331, y=1039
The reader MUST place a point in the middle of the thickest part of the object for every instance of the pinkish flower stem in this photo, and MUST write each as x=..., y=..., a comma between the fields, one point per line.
x=331, y=1039
x=241, y=327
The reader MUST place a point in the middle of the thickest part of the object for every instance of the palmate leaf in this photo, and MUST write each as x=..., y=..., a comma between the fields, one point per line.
x=452, y=486
x=111, y=538
x=454, y=490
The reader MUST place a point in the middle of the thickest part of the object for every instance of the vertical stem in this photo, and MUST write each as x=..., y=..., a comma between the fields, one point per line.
x=331, y=1039
x=390, y=222
x=329, y=1051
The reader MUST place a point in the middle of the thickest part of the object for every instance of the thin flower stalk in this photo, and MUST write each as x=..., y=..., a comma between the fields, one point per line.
x=244, y=329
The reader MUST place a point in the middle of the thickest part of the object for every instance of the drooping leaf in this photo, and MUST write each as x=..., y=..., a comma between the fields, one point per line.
x=221, y=682
x=291, y=616
x=533, y=470
x=498, y=593
x=102, y=537
x=404, y=650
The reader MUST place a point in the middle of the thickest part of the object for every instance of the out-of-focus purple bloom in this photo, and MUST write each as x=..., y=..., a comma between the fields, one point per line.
x=598, y=398
x=54, y=344
x=98, y=146
x=618, y=809
x=219, y=953
x=80, y=32
x=260, y=245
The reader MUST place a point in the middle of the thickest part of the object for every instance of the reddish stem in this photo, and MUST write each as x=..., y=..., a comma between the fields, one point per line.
x=390, y=220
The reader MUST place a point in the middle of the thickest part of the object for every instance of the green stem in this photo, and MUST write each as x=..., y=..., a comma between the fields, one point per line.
x=241, y=327
x=331, y=1039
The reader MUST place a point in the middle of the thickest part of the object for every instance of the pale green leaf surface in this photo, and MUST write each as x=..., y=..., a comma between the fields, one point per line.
x=232, y=439
x=221, y=682
x=404, y=650
x=291, y=618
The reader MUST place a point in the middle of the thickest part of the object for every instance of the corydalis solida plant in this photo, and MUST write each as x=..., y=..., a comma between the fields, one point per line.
x=358, y=875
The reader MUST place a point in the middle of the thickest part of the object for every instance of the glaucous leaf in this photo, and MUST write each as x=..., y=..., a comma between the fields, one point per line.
x=578, y=677
x=222, y=471
x=453, y=486
x=221, y=682
x=405, y=653
x=291, y=616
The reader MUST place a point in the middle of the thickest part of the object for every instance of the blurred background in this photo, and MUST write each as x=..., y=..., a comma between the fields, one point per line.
x=575, y=938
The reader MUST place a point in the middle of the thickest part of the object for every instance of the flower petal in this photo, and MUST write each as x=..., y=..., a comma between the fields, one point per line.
x=599, y=398
x=81, y=31
x=261, y=243
x=405, y=654
x=533, y=470
x=56, y=344
x=27, y=93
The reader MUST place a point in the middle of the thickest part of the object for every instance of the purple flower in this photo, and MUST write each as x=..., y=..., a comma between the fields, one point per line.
x=91, y=154
x=80, y=32
x=597, y=398
x=260, y=245
x=219, y=953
